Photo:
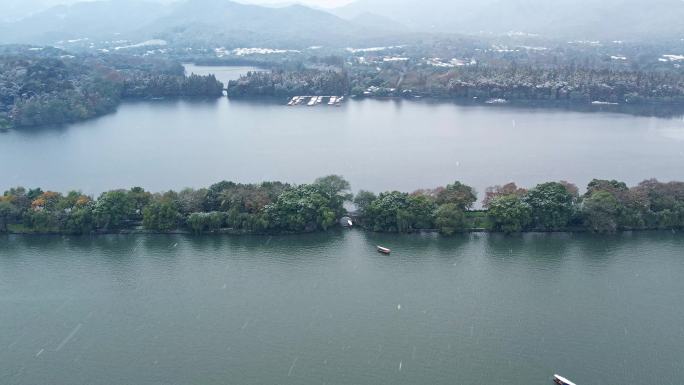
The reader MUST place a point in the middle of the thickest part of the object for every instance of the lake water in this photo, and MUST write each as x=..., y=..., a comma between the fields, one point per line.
x=328, y=309
x=376, y=144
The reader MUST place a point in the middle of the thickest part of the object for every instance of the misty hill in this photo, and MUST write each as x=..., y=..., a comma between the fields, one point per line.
x=574, y=19
x=216, y=22
x=18, y=9
x=94, y=20
x=13, y=10
x=250, y=25
x=373, y=20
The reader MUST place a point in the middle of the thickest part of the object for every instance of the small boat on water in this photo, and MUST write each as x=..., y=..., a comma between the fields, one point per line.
x=497, y=101
x=562, y=380
x=384, y=250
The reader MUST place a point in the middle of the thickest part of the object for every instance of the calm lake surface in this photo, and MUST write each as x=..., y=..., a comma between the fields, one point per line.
x=376, y=144
x=328, y=309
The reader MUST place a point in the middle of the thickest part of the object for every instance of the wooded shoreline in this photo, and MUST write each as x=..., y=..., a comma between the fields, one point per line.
x=608, y=206
x=43, y=86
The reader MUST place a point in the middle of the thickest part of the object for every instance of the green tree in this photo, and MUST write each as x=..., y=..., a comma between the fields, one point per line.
x=201, y=222
x=5, y=122
x=191, y=201
x=79, y=220
x=334, y=185
x=337, y=189
x=552, y=205
x=388, y=212
x=113, y=209
x=633, y=205
x=449, y=219
x=161, y=216
x=509, y=214
x=601, y=212
x=139, y=199
x=399, y=212
x=42, y=221
x=612, y=186
x=668, y=219
x=214, y=199
x=457, y=193
x=363, y=200
x=421, y=209
x=304, y=208
x=197, y=222
x=34, y=193
x=7, y=214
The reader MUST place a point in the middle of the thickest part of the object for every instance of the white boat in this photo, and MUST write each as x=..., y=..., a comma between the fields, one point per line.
x=384, y=250
x=312, y=102
x=562, y=380
x=496, y=101
x=600, y=103
x=332, y=101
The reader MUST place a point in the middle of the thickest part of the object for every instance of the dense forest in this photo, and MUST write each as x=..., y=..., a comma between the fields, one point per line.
x=42, y=86
x=476, y=82
x=606, y=207
x=529, y=83
x=481, y=70
x=276, y=208
x=290, y=83
x=269, y=207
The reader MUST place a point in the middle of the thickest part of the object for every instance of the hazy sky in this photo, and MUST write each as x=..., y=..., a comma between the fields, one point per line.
x=317, y=3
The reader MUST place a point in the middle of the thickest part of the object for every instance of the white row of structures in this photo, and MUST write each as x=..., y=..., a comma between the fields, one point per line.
x=315, y=100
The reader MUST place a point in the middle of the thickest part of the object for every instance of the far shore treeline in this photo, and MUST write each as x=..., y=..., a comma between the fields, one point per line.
x=42, y=86
x=607, y=206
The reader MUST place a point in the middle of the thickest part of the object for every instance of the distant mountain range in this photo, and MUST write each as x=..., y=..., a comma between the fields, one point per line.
x=364, y=22
x=13, y=10
x=94, y=20
x=568, y=19
x=237, y=24
x=221, y=22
